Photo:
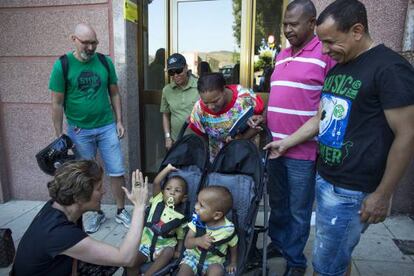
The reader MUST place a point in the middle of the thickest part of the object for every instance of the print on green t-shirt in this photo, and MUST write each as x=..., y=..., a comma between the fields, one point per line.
x=87, y=102
x=338, y=93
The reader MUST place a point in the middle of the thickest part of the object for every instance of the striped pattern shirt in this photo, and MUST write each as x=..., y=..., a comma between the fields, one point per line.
x=296, y=85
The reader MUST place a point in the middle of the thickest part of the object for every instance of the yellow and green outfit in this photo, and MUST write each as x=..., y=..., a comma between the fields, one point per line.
x=225, y=233
x=179, y=101
x=151, y=239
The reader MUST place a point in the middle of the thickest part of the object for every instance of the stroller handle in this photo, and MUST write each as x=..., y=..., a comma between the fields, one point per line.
x=183, y=129
x=268, y=139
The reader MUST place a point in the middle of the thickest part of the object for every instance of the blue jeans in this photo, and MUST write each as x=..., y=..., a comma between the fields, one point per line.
x=338, y=227
x=291, y=194
x=88, y=141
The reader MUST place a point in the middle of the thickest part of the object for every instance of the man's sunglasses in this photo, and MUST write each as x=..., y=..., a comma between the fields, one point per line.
x=172, y=72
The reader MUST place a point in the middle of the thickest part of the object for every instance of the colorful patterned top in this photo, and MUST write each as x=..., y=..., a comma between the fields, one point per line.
x=216, y=125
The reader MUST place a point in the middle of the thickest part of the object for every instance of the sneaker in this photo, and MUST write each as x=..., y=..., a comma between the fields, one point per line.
x=124, y=217
x=273, y=251
x=294, y=271
x=93, y=222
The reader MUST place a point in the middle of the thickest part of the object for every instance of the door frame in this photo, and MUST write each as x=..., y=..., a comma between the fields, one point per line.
x=248, y=19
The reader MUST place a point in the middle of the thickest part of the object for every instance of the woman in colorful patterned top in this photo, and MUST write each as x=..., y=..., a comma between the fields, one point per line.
x=219, y=108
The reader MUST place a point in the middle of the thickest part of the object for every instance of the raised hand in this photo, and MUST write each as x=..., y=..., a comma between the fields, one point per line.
x=139, y=192
x=171, y=168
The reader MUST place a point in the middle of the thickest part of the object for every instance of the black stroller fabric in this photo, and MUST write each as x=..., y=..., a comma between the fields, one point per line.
x=239, y=167
x=191, y=157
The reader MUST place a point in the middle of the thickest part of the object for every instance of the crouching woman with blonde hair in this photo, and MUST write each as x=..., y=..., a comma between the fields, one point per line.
x=55, y=243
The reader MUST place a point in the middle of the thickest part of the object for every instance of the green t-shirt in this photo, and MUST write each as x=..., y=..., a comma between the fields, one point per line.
x=179, y=102
x=87, y=102
x=167, y=215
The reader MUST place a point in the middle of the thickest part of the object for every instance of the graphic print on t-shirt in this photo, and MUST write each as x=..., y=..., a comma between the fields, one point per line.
x=334, y=119
x=337, y=95
x=89, y=83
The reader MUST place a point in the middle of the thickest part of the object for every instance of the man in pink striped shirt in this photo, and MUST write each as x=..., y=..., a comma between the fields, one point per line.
x=296, y=85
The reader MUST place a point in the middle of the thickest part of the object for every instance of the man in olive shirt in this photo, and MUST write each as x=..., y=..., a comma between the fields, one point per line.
x=178, y=98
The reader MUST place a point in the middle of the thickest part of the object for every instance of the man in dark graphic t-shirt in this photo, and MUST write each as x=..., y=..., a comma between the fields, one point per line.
x=81, y=92
x=366, y=133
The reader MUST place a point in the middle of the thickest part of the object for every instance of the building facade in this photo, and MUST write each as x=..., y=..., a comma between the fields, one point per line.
x=33, y=34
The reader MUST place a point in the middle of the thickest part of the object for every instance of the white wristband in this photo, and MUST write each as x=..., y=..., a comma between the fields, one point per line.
x=167, y=135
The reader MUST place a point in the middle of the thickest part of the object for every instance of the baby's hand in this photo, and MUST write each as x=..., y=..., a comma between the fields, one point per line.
x=171, y=168
x=231, y=268
x=205, y=241
x=156, y=255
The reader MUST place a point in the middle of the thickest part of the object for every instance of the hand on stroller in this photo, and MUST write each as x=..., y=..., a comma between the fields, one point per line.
x=237, y=137
x=170, y=168
x=255, y=121
x=276, y=148
x=205, y=241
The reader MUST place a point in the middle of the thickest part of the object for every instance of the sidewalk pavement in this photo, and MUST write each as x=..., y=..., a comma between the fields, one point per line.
x=376, y=253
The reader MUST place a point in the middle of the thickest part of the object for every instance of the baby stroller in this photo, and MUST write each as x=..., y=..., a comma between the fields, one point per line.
x=239, y=167
x=190, y=156
x=239, y=162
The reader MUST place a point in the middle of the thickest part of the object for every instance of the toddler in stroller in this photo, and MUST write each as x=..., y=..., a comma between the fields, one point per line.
x=163, y=234
x=239, y=167
x=189, y=155
x=210, y=235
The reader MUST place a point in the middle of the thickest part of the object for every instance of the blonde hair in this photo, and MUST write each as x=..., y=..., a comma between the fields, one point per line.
x=74, y=181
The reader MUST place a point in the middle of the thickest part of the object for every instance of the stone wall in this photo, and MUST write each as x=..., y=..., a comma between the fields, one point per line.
x=33, y=35
x=385, y=20
x=409, y=55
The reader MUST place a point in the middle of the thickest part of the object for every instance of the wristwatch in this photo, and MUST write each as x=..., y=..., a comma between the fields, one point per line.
x=167, y=135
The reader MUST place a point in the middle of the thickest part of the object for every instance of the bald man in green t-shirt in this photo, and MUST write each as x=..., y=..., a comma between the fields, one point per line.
x=94, y=120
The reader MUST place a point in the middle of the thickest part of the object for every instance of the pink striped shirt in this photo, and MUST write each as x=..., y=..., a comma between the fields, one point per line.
x=296, y=85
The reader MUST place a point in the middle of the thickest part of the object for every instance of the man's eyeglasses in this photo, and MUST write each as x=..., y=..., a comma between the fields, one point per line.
x=86, y=43
x=172, y=72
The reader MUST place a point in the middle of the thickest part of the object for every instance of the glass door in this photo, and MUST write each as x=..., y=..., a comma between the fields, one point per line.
x=206, y=33
x=224, y=36
x=152, y=78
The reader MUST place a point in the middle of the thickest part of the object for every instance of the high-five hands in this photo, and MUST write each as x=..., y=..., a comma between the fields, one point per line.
x=139, y=191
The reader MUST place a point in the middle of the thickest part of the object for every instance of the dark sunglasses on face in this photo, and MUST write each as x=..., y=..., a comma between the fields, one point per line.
x=172, y=72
